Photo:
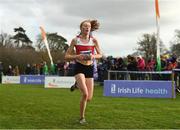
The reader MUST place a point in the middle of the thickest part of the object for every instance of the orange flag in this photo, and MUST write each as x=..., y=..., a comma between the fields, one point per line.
x=158, y=68
x=43, y=33
x=157, y=8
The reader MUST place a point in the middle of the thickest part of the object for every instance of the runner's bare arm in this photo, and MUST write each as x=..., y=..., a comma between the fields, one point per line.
x=98, y=50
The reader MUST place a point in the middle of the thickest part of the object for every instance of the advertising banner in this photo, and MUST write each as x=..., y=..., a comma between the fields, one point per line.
x=59, y=82
x=140, y=88
x=32, y=79
x=10, y=79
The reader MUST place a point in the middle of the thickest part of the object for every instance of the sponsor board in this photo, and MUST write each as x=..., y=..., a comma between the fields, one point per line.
x=32, y=79
x=10, y=79
x=127, y=88
x=59, y=82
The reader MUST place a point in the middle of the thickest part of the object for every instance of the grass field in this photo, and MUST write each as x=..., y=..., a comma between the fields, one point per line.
x=34, y=107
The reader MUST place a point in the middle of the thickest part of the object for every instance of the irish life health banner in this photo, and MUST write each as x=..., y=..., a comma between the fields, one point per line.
x=127, y=88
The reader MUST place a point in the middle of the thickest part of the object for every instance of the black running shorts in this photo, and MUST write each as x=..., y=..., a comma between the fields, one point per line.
x=87, y=70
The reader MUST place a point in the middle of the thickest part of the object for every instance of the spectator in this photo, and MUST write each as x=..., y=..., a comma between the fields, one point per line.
x=163, y=63
x=28, y=69
x=140, y=63
x=71, y=68
x=132, y=66
x=41, y=68
x=171, y=64
x=178, y=63
x=120, y=66
x=1, y=71
x=53, y=69
x=45, y=69
x=150, y=66
x=141, y=67
x=60, y=67
x=10, y=71
x=34, y=69
x=66, y=67
x=16, y=71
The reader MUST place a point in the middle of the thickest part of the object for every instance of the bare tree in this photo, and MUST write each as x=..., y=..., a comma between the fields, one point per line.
x=5, y=40
x=175, y=43
x=147, y=46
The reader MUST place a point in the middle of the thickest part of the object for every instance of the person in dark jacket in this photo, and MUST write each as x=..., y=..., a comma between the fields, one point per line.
x=132, y=66
x=1, y=71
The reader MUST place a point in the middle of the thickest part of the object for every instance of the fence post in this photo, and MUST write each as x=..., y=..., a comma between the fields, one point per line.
x=108, y=74
x=173, y=87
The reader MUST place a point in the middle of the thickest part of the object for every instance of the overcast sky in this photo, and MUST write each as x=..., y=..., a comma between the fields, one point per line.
x=122, y=21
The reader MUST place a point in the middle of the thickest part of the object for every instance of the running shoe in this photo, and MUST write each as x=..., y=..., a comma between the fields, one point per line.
x=82, y=121
x=73, y=87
